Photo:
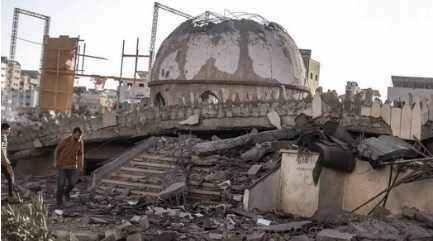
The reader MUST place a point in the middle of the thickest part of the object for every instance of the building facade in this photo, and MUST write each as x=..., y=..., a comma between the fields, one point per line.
x=312, y=70
x=406, y=87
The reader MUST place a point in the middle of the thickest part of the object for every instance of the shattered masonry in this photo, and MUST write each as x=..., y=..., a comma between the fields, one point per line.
x=233, y=147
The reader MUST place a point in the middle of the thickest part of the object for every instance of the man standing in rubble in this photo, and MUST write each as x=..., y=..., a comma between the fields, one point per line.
x=6, y=166
x=69, y=160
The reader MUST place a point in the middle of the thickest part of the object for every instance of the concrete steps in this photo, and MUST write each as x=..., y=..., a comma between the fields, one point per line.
x=142, y=175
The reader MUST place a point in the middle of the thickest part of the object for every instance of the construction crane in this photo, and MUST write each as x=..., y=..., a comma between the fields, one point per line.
x=156, y=8
x=14, y=35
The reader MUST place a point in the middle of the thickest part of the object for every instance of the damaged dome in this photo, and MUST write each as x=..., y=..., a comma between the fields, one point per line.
x=234, y=50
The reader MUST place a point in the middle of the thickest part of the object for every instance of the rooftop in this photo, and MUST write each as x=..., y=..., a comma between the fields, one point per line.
x=412, y=82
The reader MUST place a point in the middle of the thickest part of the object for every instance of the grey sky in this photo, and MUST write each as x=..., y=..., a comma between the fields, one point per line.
x=355, y=40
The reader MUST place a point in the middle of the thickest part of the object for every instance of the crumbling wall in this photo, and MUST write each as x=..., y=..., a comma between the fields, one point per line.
x=406, y=121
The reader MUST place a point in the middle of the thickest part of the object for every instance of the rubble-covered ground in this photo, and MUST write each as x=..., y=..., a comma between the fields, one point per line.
x=115, y=214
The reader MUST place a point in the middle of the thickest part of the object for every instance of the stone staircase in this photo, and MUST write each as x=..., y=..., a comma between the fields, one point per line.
x=142, y=175
x=145, y=174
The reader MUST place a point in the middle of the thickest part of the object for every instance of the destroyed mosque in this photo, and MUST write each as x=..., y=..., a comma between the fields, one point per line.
x=237, y=142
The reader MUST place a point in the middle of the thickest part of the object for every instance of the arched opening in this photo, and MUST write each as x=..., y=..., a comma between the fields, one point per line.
x=159, y=100
x=209, y=97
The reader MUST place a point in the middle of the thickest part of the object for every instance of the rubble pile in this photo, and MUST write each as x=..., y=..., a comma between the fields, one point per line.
x=94, y=218
x=216, y=172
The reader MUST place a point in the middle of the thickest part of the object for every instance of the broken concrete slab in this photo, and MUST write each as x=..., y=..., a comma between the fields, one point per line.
x=333, y=235
x=135, y=237
x=302, y=237
x=84, y=236
x=191, y=120
x=385, y=148
x=284, y=227
x=274, y=119
x=215, y=236
x=255, y=236
x=142, y=221
x=124, y=226
x=97, y=220
x=113, y=235
x=174, y=189
x=254, y=169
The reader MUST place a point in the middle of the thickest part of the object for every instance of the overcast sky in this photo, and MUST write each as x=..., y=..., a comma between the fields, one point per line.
x=355, y=40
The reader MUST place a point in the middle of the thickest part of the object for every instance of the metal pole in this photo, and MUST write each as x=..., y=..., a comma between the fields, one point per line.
x=84, y=53
x=120, y=76
x=136, y=61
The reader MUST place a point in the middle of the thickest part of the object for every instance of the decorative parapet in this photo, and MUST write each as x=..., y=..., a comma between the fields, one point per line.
x=407, y=121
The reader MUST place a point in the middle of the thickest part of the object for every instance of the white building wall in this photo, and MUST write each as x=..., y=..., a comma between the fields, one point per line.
x=402, y=94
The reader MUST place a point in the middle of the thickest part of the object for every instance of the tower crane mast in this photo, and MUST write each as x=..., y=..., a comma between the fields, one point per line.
x=156, y=8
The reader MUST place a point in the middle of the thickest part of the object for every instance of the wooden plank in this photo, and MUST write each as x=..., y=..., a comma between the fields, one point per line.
x=150, y=164
x=147, y=171
x=131, y=184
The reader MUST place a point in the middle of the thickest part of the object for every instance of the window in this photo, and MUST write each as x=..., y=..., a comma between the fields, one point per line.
x=209, y=97
x=317, y=77
x=141, y=85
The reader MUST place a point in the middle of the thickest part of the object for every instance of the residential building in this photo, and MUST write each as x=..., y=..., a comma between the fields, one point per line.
x=312, y=70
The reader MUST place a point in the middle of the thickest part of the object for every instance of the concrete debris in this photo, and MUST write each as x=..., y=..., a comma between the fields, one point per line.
x=254, y=169
x=333, y=235
x=113, y=235
x=274, y=119
x=385, y=148
x=135, y=237
x=141, y=220
x=264, y=222
x=84, y=236
x=302, y=237
x=97, y=220
x=192, y=120
x=284, y=227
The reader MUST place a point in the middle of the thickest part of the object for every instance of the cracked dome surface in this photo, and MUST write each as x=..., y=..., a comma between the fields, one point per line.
x=231, y=50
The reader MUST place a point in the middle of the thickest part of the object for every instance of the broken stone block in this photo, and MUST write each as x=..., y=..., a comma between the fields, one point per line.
x=143, y=221
x=333, y=235
x=113, y=235
x=274, y=119
x=96, y=220
x=191, y=120
x=84, y=236
x=254, y=169
x=215, y=236
x=256, y=236
x=302, y=237
x=124, y=225
x=284, y=227
x=135, y=237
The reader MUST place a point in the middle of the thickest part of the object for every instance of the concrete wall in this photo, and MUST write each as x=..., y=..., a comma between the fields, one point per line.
x=264, y=195
x=298, y=194
x=406, y=121
x=402, y=94
x=365, y=182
